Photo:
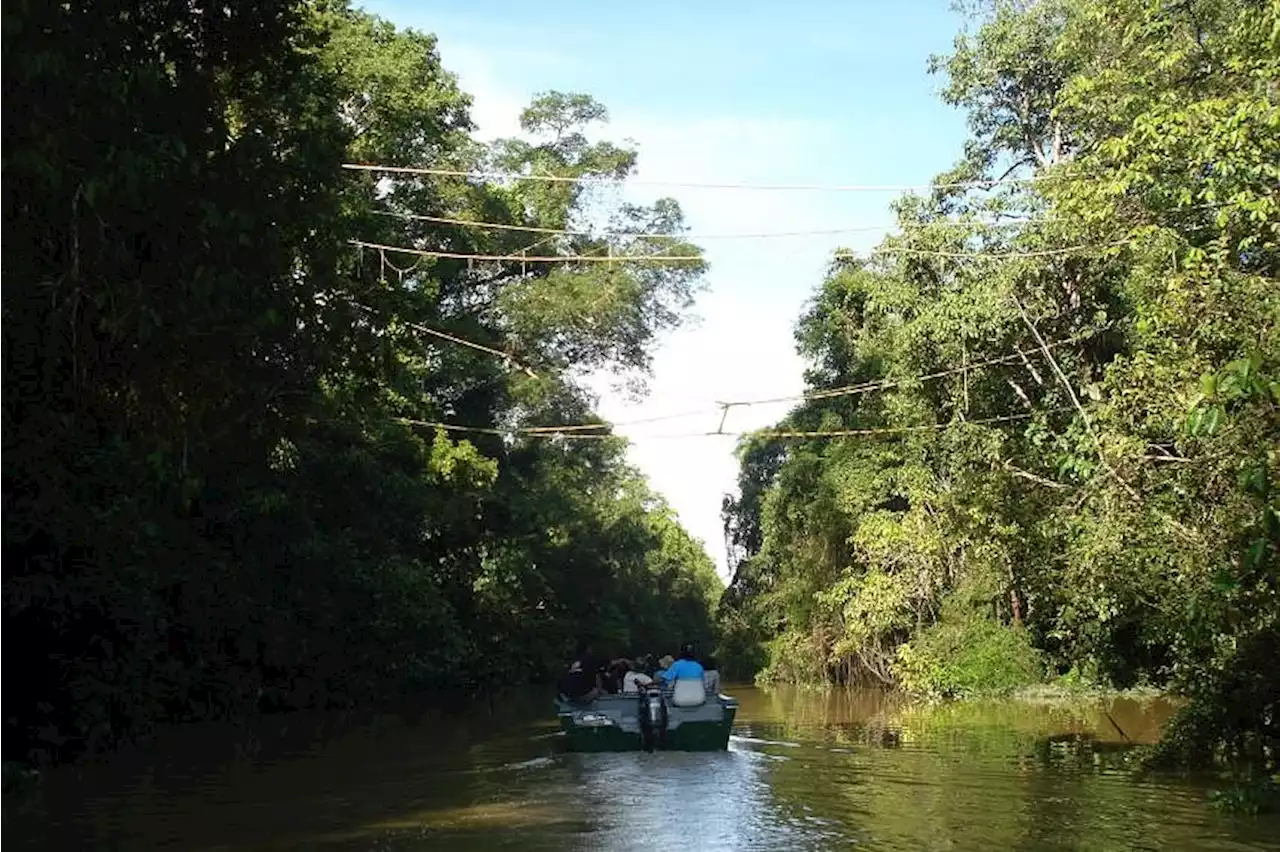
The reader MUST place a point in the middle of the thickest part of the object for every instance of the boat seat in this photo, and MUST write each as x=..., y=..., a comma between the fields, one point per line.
x=689, y=692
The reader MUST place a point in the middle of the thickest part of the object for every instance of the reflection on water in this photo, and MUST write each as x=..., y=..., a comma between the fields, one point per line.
x=804, y=770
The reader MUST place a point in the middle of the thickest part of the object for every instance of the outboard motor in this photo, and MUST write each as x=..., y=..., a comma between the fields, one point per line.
x=653, y=718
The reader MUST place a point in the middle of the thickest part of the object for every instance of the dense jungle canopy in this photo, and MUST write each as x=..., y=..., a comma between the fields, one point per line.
x=219, y=494
x=1079, y=375
x=1043, y=418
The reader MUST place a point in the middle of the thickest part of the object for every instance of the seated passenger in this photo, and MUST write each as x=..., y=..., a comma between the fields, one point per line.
x=582, y=683
x=634, y=681
x=685, y=667
x=663, y=664
x=685, y=678
x=613, y=677
x=646, y=664
x=711, y=675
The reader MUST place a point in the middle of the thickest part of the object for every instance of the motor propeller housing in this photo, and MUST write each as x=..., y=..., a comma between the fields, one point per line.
x=653, y=718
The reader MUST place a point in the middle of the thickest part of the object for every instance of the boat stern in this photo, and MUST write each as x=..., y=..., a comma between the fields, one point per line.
x=703, y=728
x=612, y=723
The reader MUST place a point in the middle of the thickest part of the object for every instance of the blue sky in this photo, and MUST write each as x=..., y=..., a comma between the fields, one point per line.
x=752, y=92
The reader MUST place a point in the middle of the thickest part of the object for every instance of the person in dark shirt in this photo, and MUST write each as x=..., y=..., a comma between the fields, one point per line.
x=582, y=682
x=615, y=674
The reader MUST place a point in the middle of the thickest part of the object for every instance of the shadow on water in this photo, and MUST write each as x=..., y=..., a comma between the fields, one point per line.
x=804, y=770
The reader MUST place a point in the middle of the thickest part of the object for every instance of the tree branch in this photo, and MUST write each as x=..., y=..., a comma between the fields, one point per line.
x=1075, y=400
x=1026, y=474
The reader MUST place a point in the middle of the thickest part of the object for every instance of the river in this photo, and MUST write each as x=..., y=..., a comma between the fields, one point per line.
x=804, y=770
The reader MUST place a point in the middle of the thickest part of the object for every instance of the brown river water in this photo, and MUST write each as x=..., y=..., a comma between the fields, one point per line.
x=804, y=770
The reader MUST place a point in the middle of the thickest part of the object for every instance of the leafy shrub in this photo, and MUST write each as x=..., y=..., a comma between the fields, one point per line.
x=965, y=657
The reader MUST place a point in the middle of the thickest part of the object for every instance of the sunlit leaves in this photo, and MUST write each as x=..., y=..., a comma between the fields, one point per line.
x=1134, y=533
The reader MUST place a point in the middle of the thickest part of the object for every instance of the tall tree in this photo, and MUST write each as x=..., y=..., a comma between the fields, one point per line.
x=1079, y=394
x=220, y=495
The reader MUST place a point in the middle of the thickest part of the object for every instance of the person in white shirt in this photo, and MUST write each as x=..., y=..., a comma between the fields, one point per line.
x=634, y=682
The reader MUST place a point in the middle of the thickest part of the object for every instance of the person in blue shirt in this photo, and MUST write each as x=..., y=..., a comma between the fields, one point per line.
x=685, y=667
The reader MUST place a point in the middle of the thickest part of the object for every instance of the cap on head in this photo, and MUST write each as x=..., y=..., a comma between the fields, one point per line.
x=686, y=651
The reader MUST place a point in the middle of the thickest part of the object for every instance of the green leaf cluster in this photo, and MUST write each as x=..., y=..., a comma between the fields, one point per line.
x=218, y=495
x=1123, y=315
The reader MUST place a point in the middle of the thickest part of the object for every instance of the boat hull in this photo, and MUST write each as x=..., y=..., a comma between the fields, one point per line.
x=612, y=723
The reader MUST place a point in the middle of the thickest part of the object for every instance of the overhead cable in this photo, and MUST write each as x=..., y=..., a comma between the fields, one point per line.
x=593, y=430
x=539, y=432
x=761, y=235
x=471, y=344
x=587, y=427
x=1000, y=255
x=444, y=335
x=687, y=258
x=890, y=430
x=601, y=180
x=884, y=384
x=826, y=393
x=520, y=258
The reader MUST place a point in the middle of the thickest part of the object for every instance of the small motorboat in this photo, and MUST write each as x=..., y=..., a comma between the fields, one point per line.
x=654, y=720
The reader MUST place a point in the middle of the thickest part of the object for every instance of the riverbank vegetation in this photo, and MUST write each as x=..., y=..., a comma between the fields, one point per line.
x=223, y=492
x=1064, y=391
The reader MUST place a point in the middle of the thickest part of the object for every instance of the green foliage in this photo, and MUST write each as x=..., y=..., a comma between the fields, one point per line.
x=963, y=658
x=217, y=496
x=795, y=657
x=1249, y=796
x=1126, y=524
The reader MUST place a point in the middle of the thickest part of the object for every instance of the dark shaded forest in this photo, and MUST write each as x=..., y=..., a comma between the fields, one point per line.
x=1064, y=375
x=223, y=492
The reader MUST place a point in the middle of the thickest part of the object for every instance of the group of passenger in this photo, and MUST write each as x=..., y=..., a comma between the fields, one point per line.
x=590, y=677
